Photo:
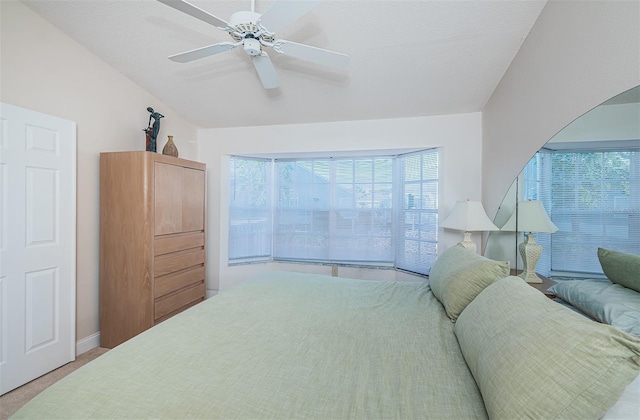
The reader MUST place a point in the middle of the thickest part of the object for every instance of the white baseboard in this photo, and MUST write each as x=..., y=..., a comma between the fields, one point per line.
x=88, y=343
x=210, y=293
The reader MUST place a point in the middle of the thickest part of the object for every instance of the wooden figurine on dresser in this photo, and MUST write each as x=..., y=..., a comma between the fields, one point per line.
x=152, y=246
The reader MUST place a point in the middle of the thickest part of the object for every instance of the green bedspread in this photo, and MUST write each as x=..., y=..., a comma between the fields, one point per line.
x=285, y=345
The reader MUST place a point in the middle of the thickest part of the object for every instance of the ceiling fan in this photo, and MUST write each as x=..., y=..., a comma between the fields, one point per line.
x=254, y=32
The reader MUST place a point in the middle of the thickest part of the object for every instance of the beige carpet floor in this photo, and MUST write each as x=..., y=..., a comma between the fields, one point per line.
x=12, y=401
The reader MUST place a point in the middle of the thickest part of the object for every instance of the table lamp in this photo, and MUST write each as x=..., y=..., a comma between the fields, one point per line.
x=468, y=216
x=530, y=217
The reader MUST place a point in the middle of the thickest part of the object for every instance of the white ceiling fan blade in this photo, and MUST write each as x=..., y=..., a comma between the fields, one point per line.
x=203, y=52
x=266, y=71
x=313, y=54
x=196, y=12
x=284, y=12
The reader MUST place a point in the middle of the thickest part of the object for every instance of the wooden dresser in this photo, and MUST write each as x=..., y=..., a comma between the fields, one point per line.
x=152, y=241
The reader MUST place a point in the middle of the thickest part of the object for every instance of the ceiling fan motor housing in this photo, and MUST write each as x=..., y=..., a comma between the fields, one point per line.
x=244, y=23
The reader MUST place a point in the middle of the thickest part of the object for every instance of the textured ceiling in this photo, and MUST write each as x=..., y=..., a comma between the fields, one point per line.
x=407, y=58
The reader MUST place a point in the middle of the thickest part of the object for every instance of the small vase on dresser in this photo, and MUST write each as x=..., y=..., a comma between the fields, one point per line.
x=170, y=148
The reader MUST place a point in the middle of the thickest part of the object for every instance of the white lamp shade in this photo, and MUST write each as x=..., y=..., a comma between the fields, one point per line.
x=530, y=217
x=468, y=216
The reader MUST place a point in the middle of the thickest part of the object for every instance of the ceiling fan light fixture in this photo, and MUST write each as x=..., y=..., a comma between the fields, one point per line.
x=252, y=46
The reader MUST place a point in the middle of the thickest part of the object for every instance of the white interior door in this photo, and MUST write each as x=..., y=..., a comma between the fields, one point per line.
x=37, y=244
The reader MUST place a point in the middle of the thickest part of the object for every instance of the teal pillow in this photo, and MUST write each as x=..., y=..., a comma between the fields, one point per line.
x=621, y=268
x=459, y=274
x=533, y=358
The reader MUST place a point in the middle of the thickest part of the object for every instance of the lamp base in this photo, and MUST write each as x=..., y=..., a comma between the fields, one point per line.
x=468, y=243
x=530, y=277
x=530, y=252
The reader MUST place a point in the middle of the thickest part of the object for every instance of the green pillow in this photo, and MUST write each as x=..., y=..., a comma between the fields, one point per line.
x=459, y=274
x=621, y=268
x=534, y=358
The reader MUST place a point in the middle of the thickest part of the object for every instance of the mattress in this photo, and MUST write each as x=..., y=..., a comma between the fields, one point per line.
x=284, y=345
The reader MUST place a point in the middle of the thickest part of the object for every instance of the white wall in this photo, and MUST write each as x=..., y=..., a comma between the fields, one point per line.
x=459, y=137
x=577, y=55
x=44, y=70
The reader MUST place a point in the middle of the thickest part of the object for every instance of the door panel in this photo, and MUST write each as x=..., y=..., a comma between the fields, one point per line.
x=168, y=198
x=41, y=295
x=37, y=253
x=41, y=218
x=179, y=199
x=193, y=200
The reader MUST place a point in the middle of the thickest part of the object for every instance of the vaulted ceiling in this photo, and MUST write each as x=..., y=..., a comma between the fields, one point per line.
x=407, y=58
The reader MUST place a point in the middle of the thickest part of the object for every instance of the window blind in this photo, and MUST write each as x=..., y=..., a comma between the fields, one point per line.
x=417, y=216
x=595, y=204
x=250, y=201
x=334, y=210
x=537, y=186
x=594, y=199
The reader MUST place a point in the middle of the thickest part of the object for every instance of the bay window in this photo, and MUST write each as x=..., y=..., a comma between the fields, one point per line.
x=378, y=211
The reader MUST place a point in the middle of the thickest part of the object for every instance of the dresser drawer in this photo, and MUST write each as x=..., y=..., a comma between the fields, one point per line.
x=174, y=281
x=177, y=261
x=171, y=243
x=184, y=297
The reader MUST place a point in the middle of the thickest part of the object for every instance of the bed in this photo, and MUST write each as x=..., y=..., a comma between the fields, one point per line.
x=290, y=345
